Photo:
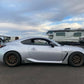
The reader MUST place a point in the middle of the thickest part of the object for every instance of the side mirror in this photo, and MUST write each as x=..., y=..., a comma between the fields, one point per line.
x=52, y=44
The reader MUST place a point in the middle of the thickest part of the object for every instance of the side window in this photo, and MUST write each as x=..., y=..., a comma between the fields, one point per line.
x=28, y=41
x=60, y=34
x=40, y=42
x=77, y=34
x=36, y=41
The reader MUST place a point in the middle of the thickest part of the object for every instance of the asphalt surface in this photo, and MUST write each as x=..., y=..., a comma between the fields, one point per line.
x=41, y=74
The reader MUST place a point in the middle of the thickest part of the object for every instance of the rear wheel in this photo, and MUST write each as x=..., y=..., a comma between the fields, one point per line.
x=12, y=59
x=76, y=59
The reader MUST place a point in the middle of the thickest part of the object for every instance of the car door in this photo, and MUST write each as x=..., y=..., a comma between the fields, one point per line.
x=41, y=50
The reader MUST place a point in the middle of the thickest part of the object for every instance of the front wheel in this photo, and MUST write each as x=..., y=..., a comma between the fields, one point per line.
x=76, y=59
x=11, y=59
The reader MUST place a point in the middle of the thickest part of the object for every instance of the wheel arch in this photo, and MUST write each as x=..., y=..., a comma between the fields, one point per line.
x=15, y=52
x=77, y=52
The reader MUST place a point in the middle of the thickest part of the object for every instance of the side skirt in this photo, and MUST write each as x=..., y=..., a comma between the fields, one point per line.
x=41, y=61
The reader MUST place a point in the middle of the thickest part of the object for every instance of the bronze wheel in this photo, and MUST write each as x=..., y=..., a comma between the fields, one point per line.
x=76, y=59
x=12, y=59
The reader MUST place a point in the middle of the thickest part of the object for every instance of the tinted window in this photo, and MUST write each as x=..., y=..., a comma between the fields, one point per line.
x=50, y=32
x=60, y=34
x=36, y=41
x=28, y=41
x=78, y=34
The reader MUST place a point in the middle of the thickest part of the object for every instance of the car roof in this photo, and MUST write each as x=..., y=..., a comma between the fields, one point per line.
x=31, y=38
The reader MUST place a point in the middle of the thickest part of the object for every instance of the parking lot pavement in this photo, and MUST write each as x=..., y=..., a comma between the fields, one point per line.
x=41, y=74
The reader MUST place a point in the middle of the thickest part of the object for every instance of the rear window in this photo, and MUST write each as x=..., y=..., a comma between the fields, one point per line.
x=28, y=41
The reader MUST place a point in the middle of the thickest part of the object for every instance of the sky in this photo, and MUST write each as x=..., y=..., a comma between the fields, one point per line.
x=35, y=17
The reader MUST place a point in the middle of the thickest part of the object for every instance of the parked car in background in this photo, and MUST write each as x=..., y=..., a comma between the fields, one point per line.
x=40, y=50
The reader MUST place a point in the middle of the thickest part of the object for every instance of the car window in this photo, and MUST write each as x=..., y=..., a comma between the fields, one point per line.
x=36, y=41
x=40, y=42
x=28, y=41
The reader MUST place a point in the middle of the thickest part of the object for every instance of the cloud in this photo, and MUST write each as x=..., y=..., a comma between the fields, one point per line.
x=12, y=29
x=33, y=17
x=74, y=19
x=67, y=25
x=36, y=12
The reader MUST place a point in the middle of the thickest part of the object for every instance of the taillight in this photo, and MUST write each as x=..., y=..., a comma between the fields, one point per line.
x=2, y=46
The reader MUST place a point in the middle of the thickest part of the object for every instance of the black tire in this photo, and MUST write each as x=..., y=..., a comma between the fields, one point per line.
x=76, y=59
x=12, y=59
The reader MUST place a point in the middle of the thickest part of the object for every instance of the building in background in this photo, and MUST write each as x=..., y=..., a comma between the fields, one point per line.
x=66, y=35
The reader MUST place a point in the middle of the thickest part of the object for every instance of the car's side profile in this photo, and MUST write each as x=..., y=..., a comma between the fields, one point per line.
x=40, y=50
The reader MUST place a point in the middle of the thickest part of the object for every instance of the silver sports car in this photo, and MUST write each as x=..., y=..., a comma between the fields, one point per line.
x=40, y=50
